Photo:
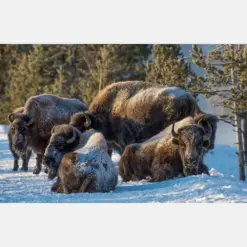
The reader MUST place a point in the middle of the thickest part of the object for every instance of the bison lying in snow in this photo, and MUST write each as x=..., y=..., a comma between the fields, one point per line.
x=25, y=156
x=171, y=153
x=133, y=111
x=89, y=169
x=32, y=128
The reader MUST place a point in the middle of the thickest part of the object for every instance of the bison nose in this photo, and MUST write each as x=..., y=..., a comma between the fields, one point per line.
x=192, y=162
x=49, y=161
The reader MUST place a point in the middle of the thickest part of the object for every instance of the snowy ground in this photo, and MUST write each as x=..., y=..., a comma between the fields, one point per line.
x=222, y=186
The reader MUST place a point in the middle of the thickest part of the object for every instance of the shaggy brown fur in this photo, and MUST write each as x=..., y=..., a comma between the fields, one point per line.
x=161, y=158
x=33, y=126
x=67, y=181
x=25, y=156
x=133, y=111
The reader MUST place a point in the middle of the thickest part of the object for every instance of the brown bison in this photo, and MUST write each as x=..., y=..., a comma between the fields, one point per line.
x=171, y=153
x=25, y=156
x=88, y=169
x=32, y=127
x=133, y=111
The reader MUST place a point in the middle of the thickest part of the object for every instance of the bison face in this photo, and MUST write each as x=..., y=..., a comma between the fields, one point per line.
x=191, y=141
x=19, y=128
x=64, y=139
x=209, y=123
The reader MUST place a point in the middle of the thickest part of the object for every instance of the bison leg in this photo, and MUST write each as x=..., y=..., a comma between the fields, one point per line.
x=55, y=187
x=16, y=166
x=25, y=160
x=87, y=183
x=161, y=174
x=16, y=159
x=38, y=165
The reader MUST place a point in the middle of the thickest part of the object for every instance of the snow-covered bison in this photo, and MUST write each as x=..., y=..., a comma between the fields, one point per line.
x=25, y=156
x=81, y=159
x=133, y=111
x=32, y=127
x=176, y=151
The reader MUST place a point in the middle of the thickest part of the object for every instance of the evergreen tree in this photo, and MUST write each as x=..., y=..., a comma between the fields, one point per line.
x=78, y=71
x=168, y=66
x=225, y=75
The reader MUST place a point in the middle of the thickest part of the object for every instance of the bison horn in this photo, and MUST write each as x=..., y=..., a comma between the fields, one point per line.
x=72, y=139
x=174, y=134
x=11, y=117
x=88, y=120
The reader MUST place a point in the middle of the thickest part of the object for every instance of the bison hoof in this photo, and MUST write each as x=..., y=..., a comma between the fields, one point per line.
x=24, y=168
x=15, y=168
x=36, y=170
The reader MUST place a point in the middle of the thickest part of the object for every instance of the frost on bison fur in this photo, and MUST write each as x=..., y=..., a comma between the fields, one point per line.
x=178, y=152
x=133, y=111
x=25, y=156
x=88, y=168
x=33, y=126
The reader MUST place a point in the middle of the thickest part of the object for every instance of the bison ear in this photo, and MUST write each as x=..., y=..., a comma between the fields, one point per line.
x=26, y=118
x=11, y=117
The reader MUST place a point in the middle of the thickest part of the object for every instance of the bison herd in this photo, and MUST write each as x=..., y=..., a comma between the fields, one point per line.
x=160, y=133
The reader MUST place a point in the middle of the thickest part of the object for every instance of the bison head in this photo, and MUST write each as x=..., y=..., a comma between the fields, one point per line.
x=209, y=123
x=64, y=139
x=192, y=141
x=19, y=127
x=81, y=120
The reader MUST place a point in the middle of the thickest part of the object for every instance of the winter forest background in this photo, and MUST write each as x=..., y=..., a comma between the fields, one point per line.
x=215, y=74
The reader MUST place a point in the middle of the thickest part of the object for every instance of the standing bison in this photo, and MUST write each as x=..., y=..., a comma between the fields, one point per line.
x=25, y=156
x=32, y=127
x=133, y=111
x=172, y=153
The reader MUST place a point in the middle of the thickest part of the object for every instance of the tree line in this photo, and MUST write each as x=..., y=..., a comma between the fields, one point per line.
x=81, y=71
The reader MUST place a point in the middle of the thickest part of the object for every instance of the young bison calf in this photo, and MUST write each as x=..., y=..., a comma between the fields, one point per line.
x=25, y=155
x=88, y=169
x=178, y=154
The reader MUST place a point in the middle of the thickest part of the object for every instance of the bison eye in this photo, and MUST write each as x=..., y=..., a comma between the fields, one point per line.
x=206, y=144
x=21, y=130
x=59, y=145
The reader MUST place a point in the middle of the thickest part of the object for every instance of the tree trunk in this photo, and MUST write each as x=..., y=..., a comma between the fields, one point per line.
x=245, y=138
x=240, y=147
x=239, y=138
